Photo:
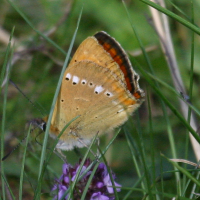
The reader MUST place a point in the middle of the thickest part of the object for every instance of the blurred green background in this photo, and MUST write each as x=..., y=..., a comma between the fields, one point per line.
x=37, y=65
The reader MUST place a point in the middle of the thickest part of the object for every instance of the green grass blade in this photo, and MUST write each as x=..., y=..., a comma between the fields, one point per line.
x=8, y=187
x=89, y=181
x=184, y=171
x=23, y=164
x=174, y=16
x=7, y=63
x=44, y=167
x=56, y=93
x=32, y=26
x=171, y=89
x=109, y=144
x=111, y=177
x=78, y=177
x=137, y=164
x=167, y=102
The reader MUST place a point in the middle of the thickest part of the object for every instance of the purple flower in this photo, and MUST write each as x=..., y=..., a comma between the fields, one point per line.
x=100, y=188
x=98, y=196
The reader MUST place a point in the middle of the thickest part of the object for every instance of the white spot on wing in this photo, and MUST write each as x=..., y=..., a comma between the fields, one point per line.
x=68, y=76
x=75, y=79
x=120, y=110
x=98, y=89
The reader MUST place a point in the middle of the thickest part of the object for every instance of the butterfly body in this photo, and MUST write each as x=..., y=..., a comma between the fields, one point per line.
x=95, y=88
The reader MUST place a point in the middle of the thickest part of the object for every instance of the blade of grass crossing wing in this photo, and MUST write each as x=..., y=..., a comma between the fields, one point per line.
x=56, y=93
x=42, y=164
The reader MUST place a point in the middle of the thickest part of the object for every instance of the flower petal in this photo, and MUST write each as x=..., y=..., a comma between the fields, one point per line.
x=100, y=184
x=65, y=168
x=99, y=196
x=108, y=183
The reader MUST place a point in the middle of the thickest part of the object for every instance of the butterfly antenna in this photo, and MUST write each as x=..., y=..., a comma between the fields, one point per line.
x=26, y=97
x=14, y=148
x=36, y=124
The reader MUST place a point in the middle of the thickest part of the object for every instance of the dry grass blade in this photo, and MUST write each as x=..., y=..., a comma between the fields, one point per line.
x=186, y=162
x=162, y=28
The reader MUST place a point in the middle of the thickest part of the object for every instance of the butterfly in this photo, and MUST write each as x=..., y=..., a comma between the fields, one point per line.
x=101, y=87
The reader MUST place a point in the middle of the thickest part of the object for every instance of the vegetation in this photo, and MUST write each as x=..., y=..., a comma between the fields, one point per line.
x=165, y=54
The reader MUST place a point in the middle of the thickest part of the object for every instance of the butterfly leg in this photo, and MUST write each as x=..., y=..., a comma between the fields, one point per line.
x=59, y=153
x=95, y=155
